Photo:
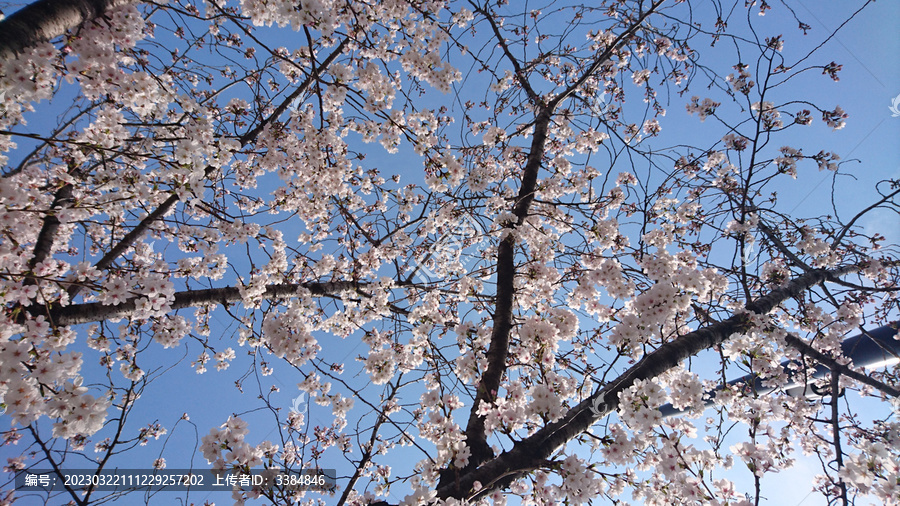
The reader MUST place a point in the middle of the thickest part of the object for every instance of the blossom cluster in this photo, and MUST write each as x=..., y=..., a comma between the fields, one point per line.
x=226, y=449
x=704, y=109
x=38, y=379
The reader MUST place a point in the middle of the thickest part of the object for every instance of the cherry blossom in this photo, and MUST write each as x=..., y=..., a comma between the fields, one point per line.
x=446, y=248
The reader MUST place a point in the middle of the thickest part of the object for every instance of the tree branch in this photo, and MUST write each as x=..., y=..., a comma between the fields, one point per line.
x=503, y=311
x=517, y=69
x=167, y=205
x=849, y=225
x=130, y=238
x=605, y=55
x=97, y=311
x=532, y=451
x=45, y=20
x=834, y=365
x=498, y=350
x=44, y=243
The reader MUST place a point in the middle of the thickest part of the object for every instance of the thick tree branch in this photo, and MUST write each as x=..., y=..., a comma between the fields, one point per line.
x=534, y=450
x=503, y=311
x=45, y=20
x=96, y=311
x=834, y=365
x=44, y=243
x=498, y=349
